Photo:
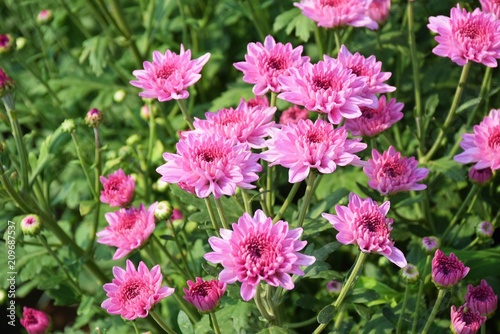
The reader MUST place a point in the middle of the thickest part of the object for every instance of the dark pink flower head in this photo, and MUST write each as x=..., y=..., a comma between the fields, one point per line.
x=482, y=146
x=293, y=115
x=6, y=42
x=256, y=101
x=338, y=13
x=484, y=230
x=133, y=292
x=6, y=83
x=245, y=124
x=128, y=229
x=204, y=295
x=264, y=64
x=257, y=250
x=491, y=6
x=326, y=87
x=378, y=10
x=374, y=121
x=307, y=145
x=467, y=36
x=390, y=173
x=34, y=321
x=118, y=189
x=210, y=164
x=465, y=321
x=364, y=223
x=447, y=270
x=481, y=299
x=366, y=67
x=169, y=75
x=480, y=176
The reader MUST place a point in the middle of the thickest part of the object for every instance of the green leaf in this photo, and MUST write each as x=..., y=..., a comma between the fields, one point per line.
x=326, y=314
x=448, y=167
x=211, y=270
x=322, y=253
x=86, y=207
x=185, y=325
x=328, y=202
x=94, y=49
x=285, y=18
x=274, y=330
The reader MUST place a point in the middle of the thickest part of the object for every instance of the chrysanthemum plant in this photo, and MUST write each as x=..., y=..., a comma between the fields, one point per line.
x=250, y=167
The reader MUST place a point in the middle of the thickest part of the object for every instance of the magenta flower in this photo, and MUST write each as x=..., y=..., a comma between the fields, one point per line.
x=128, y=229
x=93, y=118
x=326, y=87
x=204, y=295
x=246, y=124
x=118, y=189
x=293, y=115
x=6, y=83
x=465, y=321
x=389, y=173
x=307, y=145
x=210, y=164
x=374, y=121
x=335, y=13
x=378, y=10
x=467, y=36
x=133, y=292
x=34, y=321
x=366, y=67
x=6, y=42
x=481, y=299
x=480, y=176
x=364, y=223
x=264, y=64
x=482, y=146
x=491, y=6
x=169, y=75
x=257, y=250
x=447, y=270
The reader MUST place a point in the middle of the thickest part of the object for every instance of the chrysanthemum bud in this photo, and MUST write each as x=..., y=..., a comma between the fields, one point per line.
x=176, y=215
x=480, y=176
x=160, y=186
x=145, y=113
x=93, y=118
x=430, y=244
x=45, y=16
x=34, y=321
x=465, y=321
x=410, y=274
x=447, y=270
x=484, y=230
x=68, y=126
x=334, y=287
x=31, y=225
x=481, y=299
x=119, y=95
x=6, y=84
x=20, y=43
x=3, y=147
x=163, y=210
x=6, y=43
x=204, y=295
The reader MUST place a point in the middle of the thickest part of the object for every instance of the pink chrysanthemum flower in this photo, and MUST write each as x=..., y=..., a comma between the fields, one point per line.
x=169, y=75
x=338, y=13
x=482, y=146
x=307, y=145
x=211, y=164
x=257, y=250
x=204, y=295
x=364, y=223
x=128, y=229
x=378, y=10
x=467, y=36
x=326, y=87
x=118, y=189
x=465, y=321
x=245, y=124
x=264, y=64
x=366, y=67
x=390, y=173
x=491, y=6
x=447, y=270
x=261, y=101
x=481, y=298
x=374, y=121
x=293, y=115
x=133, y=292
x=34, y=321
x=480, y=176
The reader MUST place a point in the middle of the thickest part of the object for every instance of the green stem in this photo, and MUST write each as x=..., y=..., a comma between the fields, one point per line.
x=419, y=295
x=261, y=306
x=215, y=324
x=247, y=202
x=319, y=41
x=151, y=143
x=269, y=188
x=136, y=329
x=403, y=309
x=211, y=213
x=220, y=211
x=373, y=143
x=441, y=294
x=340, y=318
x=20, y=147
x=83, y=165
x=307, y=197
x=168, y=255
x=304, y=323
x=287, y=201
x=472, y=244
x=97, y=188
x=273, y=99
x=451, y=114
x=160, y=322
x=185, y=112
x=184, y=260
x=337, y=41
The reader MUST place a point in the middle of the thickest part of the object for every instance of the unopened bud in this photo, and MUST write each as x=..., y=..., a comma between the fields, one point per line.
x=68, y=126
x=93, y=118
x=31, y=225
x=160, y=186
x=7, y=85
x=45, y=16
x=145, y=113
x=334, y=287
x=430, y=244
x=480, y=176
x=133, y=140
x=484, y=230
x=20, y=43
x=410, y=274
x=119, y=95
x=6, y=43
x=163, y=210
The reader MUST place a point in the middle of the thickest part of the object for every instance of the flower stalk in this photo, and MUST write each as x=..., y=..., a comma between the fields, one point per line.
x=441, y=294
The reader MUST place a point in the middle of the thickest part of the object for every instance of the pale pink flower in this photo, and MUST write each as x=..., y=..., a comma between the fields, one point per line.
x=484, y=230
x=305, y=145
x=390, y=173
x=326, y=87
x=374, y=121
x=465, y=321
x=245, y=124
x=366, y=67
x=467, y=36
x=338, y=13
x=378, y=10
x=364, y=223
x=447, y=270
x=128, y=229
x=430, y=244
x=257, y=250
x=169, y=75
x=118, y=189
x=257, y=101
x=334, y=287
x=293, y=115
x=34, y=321
x=210, y=164
x=204, y=295
x=44, y=16
x=480, y=176
x=264, y=64
x=133, y=292
x=481, y=298
x=491, y=6
x=482, y=146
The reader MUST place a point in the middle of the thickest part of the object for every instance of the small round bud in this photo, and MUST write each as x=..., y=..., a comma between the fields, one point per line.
x=7, y=85
x=163, y=210
x=68, y=126
x=160, y=186
x=21, y=43
x=31, y=225
x=6, y=43
x=145, y=113
x=334, y=287
x=430, y=244
x=410, y=274
x=45, y=16
x=480, y=176
x=3, y=147
x=484, y=230
x=93, y=118
x=119, y=96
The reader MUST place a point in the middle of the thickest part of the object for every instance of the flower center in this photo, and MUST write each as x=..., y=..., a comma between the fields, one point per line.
x=373, y=224
x=165, y=72
x=331, y=3
x=471, y=318
x=132, y=289
x=393, y=169
x=230, y=116
x=481, y=294
x=209, y=154
x=315, y=136
x=357, y=69
x=276, y=63
x=470, y=31
x=128, y=220
x=201, y=289
x=31, y=320
x=321, y=82
x=368, y=113
x=447, y=265
x=494, y=139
